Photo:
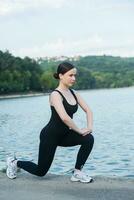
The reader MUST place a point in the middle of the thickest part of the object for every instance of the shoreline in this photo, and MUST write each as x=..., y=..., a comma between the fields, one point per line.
x=36, y=94
x=14, y=96
x=59, y=187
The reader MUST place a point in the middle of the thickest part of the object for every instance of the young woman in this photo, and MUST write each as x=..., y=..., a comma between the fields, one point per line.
x=61, y=129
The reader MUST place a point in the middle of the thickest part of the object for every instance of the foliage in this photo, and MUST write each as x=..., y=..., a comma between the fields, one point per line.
x=18, y=75
x=25, y=75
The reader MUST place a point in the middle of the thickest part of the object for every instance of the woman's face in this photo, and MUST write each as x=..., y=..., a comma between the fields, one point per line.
x=69, y=77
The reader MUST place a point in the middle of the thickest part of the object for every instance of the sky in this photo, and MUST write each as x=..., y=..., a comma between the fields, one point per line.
x=48, y=28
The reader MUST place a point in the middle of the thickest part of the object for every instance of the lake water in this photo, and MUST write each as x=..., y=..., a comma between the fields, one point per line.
x=22, y=119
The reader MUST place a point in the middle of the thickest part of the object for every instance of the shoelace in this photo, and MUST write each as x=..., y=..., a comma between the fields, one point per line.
x=82, y=174
x=13, y=167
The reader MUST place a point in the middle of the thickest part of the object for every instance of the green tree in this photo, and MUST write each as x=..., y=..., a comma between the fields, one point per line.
x=47, y=81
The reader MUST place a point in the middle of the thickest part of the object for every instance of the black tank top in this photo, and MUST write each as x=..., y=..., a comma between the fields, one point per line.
x=70, y=109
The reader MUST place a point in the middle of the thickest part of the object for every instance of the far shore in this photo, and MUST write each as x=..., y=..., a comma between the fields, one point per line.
x=36, y=94
x=23, y=95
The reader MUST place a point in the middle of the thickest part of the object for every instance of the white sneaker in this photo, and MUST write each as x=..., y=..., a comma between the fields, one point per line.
x=79, y=176
x=11, y=168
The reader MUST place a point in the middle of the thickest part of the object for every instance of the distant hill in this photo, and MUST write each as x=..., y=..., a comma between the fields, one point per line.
x=106, y=63
x=100, y=71
x=24, y=75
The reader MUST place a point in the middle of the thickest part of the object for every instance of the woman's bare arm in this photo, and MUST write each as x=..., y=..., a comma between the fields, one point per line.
x=87, y=110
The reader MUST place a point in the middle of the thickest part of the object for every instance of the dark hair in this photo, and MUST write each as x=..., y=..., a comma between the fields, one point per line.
x=63, y=68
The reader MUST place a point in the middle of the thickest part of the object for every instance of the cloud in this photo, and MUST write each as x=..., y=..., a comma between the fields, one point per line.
x=94, y=45
x=108, y=23
x=8, y=7
x=61, y=47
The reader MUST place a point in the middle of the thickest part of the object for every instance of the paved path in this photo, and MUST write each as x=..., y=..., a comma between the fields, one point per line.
x=53, y=187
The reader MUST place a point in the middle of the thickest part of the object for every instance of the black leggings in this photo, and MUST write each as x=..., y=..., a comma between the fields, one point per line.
x=48, y=147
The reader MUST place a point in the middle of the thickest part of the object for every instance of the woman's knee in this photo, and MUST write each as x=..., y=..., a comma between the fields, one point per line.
x=89, y=139
x=41, y=173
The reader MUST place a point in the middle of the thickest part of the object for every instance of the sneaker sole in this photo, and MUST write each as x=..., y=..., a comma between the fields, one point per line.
x=82, y=181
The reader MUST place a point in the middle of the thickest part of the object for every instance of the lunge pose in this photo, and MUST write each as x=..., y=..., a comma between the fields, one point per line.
x=61, y=130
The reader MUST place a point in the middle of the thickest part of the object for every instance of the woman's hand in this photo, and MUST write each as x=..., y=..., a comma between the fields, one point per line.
x=85, y=131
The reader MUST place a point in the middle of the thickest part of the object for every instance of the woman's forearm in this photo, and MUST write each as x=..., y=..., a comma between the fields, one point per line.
x=70, y=123
x=89, y=119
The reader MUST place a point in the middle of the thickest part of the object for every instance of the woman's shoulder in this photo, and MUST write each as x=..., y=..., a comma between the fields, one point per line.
x=55, y=93
x=55, y=96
